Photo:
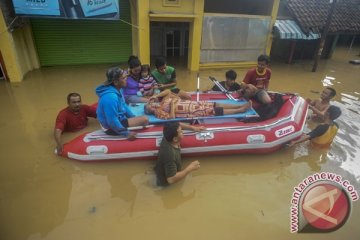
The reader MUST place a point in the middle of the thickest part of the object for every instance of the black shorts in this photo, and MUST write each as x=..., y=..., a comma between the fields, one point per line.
x=219, y=111
x=124, y=122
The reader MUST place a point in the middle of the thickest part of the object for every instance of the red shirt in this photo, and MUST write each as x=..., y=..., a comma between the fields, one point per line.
x=259, y=81
x=68, y=121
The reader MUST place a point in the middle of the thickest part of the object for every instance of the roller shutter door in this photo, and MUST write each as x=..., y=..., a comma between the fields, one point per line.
x=69, y=42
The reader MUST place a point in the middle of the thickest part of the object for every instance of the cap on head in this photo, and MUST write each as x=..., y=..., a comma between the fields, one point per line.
x=113, y=74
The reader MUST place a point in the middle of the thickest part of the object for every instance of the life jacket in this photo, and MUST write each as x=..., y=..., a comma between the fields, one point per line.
x=326, y=139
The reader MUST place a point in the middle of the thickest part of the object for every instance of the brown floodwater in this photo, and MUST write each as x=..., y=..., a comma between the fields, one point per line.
x=231, y=197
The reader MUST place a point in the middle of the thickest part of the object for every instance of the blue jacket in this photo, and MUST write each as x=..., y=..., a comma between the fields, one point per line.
x=112, y=109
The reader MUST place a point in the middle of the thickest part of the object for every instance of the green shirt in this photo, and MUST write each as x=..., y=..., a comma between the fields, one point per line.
x=168, y=77
x=168, y=163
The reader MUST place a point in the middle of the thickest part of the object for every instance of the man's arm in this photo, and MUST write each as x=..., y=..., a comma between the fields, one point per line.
x=90, y=111
x=195, y=165
x=172, y=109
x=303, y=138
x=172, y=82
x=317, y=132
x=57, y=137
x=317, y=112
x=247, y=78
x=167, y=85
x=162, y=94
x=192, y=127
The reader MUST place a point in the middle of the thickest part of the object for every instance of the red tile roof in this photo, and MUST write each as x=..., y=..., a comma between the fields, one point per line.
x=312, y=14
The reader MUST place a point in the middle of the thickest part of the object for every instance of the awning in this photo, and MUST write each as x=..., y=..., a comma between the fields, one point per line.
x=288, y=29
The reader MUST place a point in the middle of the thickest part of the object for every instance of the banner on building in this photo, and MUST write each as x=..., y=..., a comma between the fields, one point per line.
x=69, y=9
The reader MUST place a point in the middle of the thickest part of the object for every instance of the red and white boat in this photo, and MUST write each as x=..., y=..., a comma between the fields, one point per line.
x=222, y=136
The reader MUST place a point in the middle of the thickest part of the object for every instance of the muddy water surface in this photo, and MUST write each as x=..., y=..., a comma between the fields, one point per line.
x=231, y=197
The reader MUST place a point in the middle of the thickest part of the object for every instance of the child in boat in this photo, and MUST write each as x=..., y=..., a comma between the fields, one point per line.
x=229, y=84
x=172, y=106
x=323, y=134
x=147, y=84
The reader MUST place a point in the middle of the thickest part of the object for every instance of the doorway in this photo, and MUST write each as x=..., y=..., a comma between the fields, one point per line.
x=170, y=40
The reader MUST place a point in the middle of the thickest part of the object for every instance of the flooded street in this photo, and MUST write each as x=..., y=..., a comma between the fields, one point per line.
x=231, y=197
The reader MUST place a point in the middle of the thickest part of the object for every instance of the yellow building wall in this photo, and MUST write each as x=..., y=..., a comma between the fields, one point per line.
x=274, y=13
x=184, y=6
x=191, y=11
x=18, y=51
x=144, y=11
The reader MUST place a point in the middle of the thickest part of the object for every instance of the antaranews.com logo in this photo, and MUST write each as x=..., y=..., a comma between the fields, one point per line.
x=321, y=203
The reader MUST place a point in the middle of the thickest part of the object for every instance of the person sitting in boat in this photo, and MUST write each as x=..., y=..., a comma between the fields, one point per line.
x=165, y=76
x=249, y=91
x=72, y=118
x=229, y=84
x=319, y=106
x=265, y=106
x=132, y=82
x=172, y=106
x=113, y=113
x=323, y=135
x=259, y=76
x=147, y=84
x=168, y=167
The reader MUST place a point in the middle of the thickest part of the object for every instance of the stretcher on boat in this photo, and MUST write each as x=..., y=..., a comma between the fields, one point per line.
x=223, y=135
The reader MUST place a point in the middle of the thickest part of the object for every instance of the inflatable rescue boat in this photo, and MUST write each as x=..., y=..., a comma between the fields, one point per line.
x=230, y=134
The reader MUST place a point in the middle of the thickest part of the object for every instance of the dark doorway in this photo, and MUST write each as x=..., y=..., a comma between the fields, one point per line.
x=170, y=40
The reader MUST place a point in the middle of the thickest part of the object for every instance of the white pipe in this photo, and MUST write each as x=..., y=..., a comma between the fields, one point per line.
x=198, y=88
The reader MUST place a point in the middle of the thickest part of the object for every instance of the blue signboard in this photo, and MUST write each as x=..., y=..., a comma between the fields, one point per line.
x=37, y=7
x=71, y=9
x=98, y=7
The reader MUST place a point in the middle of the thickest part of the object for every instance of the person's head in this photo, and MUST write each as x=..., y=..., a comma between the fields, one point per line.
x=74, y=101
x=172, y=132
x=160, y=65
x=145, y=70
x=333, y=112
x=116, y=76
x=328, y=93
x=134, y=65
x=230, y=77
x=263, y=62
x=150, y=107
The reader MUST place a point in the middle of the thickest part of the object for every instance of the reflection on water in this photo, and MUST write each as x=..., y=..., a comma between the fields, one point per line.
x=230, y=197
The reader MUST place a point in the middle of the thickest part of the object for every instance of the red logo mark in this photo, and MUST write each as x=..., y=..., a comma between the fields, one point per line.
x=326, y=207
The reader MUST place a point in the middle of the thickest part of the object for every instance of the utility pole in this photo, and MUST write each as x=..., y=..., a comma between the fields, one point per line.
x=321, y=44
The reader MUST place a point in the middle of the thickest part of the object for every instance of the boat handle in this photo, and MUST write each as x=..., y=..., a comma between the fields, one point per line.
x=204, y=136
